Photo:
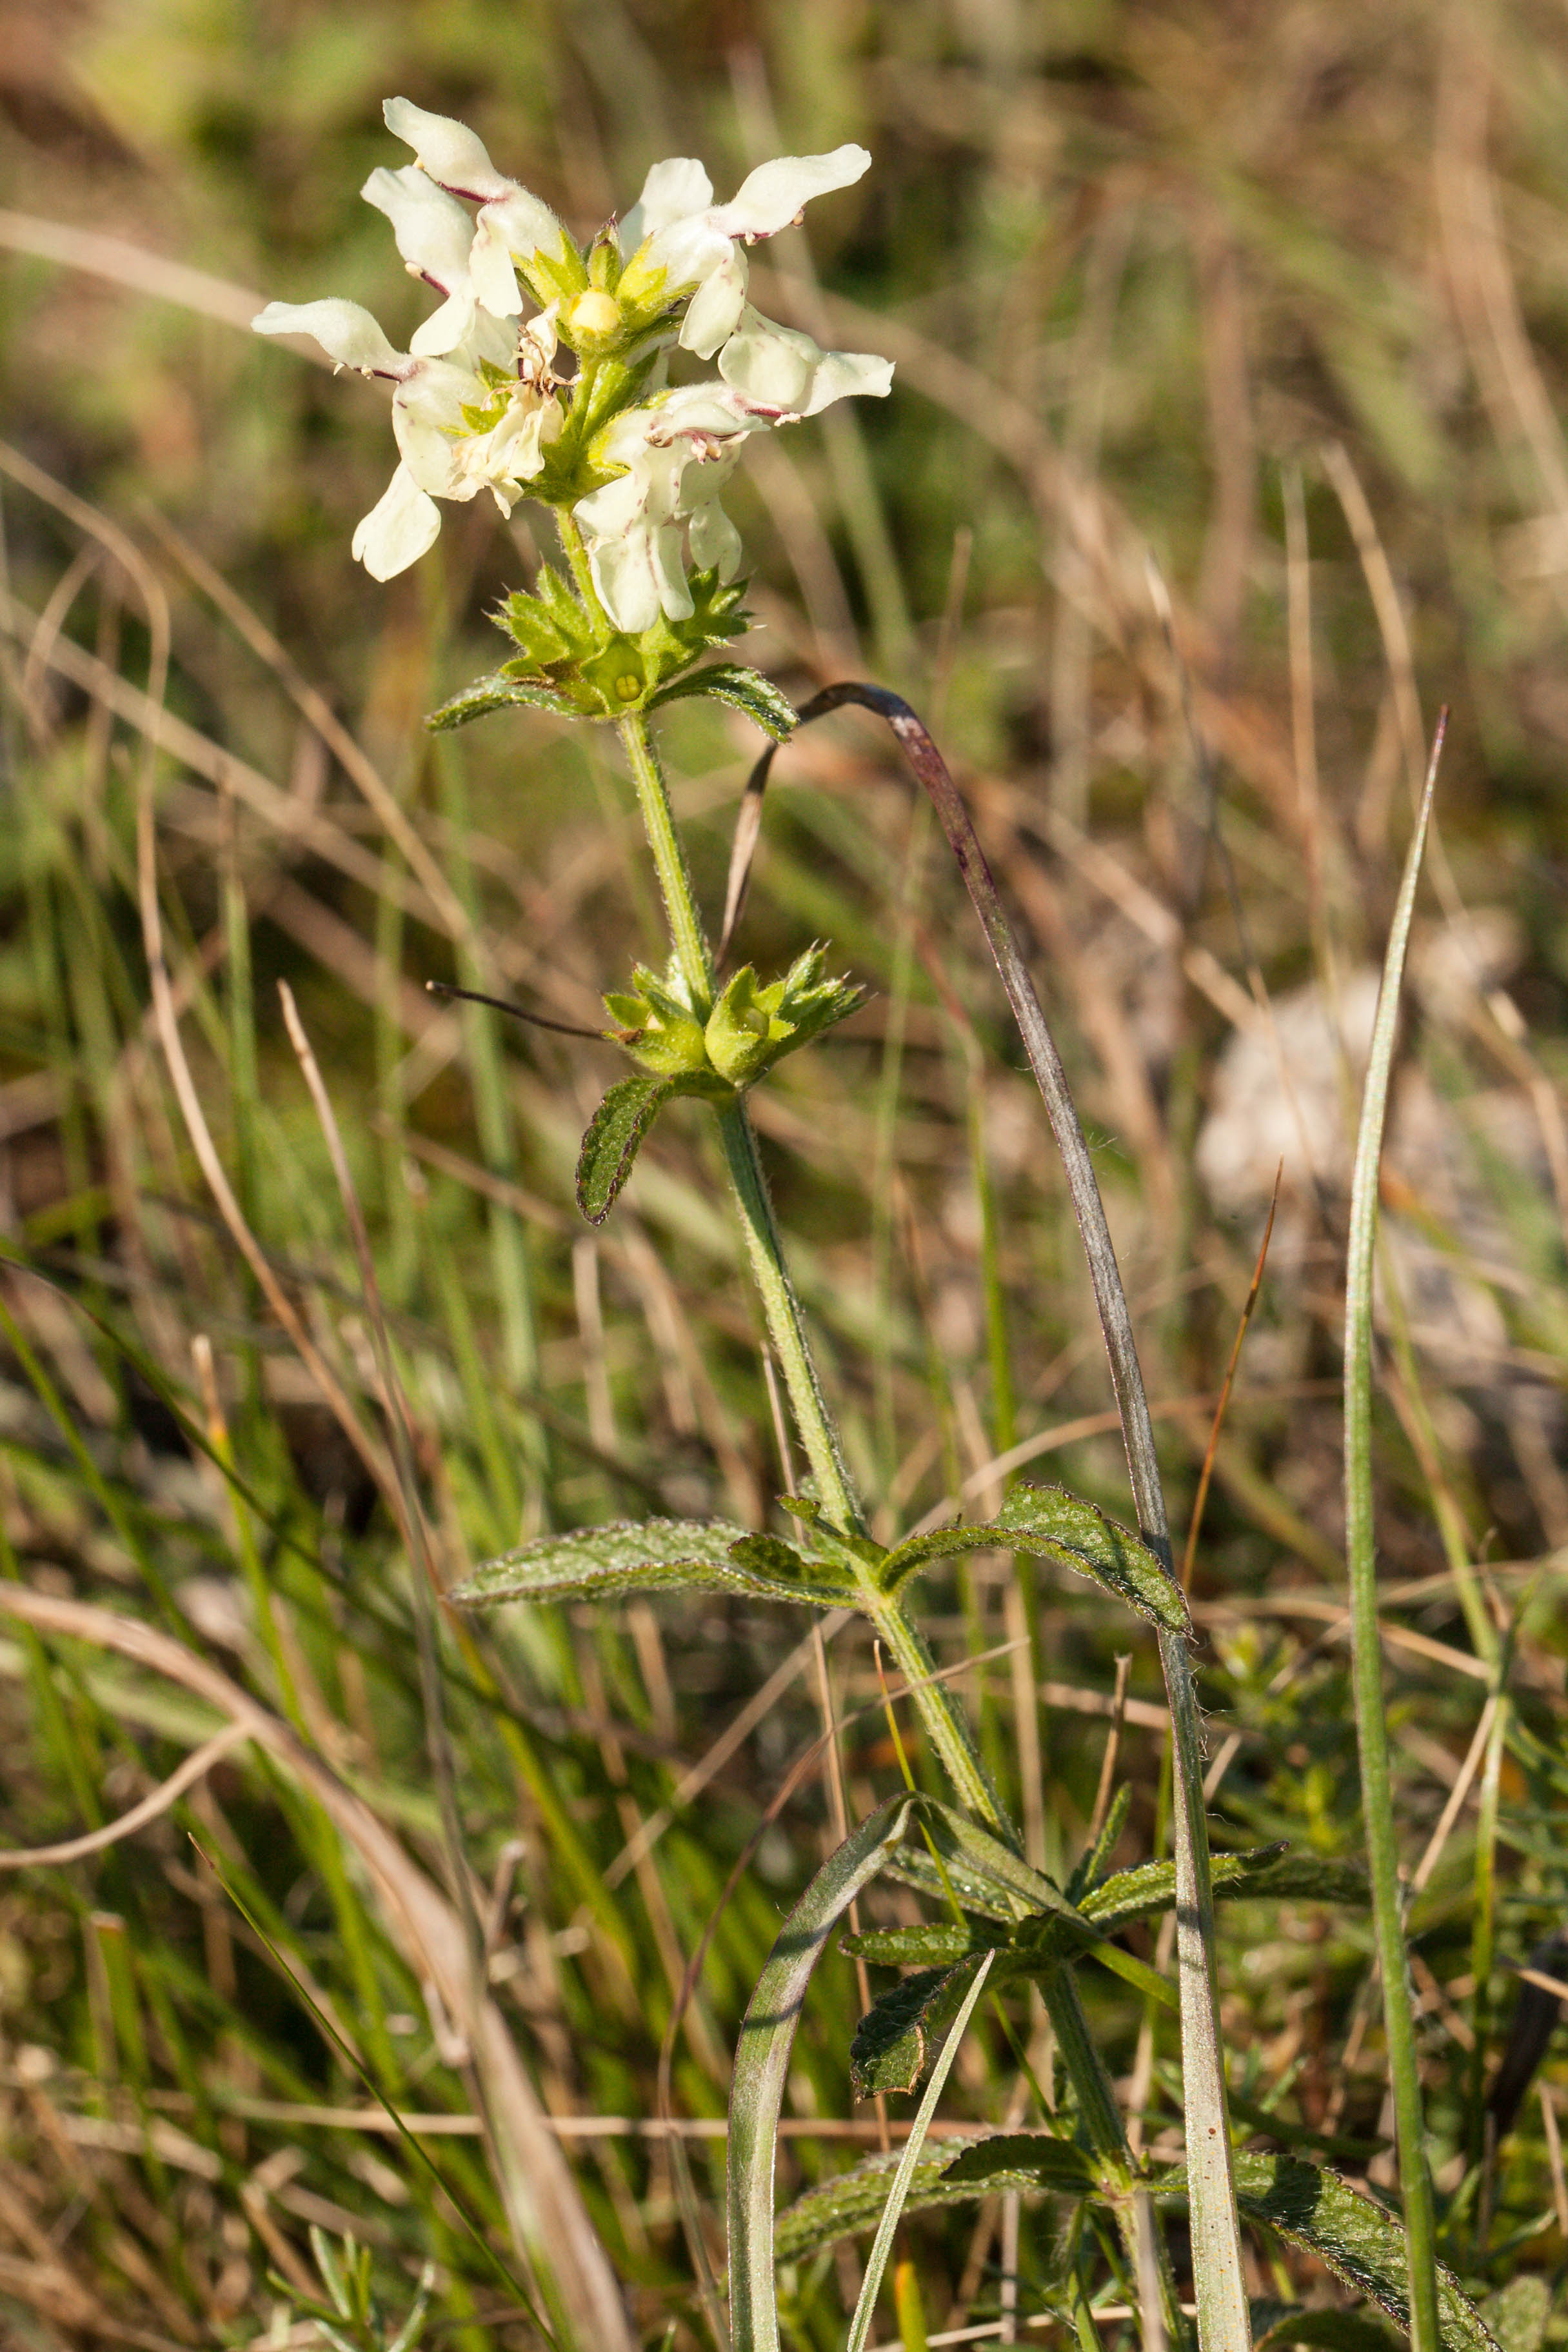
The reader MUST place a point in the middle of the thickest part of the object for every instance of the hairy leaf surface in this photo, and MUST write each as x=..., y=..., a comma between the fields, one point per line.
x=1355, y=2239
x=614, y=1140
x=1054, y=1525
x=744, y=689
x=894, y=2041
x=499, y=692
x=954, y=2174
x=647, y=1556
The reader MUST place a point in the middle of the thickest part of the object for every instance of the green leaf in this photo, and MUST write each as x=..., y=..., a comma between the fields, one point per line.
x=595, y=1563
x=744, y=689
x=780, y=1572
x=908, y=2163
x=550, y=625
x=833, y=1541
x=1297, y=1877
x=614, y=1140
x=1278, y=2326
x=648, y=1556
x=977, y=1891
x=894, y=2041
x=499, y=692
x=1266, y=1875
x=958, y=2173
x=1355, y=2239
x=1054, y=1525
x=938, y=1944
x=1517, y=2313
x=1094, y=1863
x=970, y=1850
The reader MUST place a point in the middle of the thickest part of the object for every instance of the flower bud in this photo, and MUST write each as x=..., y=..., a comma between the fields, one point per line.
x=592, y=323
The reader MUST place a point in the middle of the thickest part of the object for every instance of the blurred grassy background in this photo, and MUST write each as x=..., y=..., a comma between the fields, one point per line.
x=1274, y=297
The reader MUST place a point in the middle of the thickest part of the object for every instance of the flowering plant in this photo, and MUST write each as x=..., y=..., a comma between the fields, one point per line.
x=631, y=465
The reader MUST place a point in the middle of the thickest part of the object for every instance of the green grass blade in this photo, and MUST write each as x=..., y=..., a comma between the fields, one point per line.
x=882, y=2244
x=1367, y=1655
x=762, y=2063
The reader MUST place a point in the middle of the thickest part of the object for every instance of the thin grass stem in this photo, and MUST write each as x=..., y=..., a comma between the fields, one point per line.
x=1366, y=1656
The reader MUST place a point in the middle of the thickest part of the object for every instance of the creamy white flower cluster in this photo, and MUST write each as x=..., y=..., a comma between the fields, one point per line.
x=480, y=405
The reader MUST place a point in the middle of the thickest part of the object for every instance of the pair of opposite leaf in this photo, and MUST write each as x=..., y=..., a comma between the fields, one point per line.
x=1031, y=1928
x=1360, y=2243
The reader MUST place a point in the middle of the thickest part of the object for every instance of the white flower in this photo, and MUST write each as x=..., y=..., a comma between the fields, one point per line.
x=475, y=401
x=433, y=234
x=445, y=453
x=681, y=447
x=679, y=451
x=778, y=368
x=679, y=242
x=514, y=230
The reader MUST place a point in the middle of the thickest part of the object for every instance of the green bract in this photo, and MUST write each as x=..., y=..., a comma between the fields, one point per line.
x=573, y=660
x=751, y=1026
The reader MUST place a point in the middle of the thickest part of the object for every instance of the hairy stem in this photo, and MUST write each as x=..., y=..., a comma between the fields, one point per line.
x=941, y=1712
x=669, y=862
x=940, y=1709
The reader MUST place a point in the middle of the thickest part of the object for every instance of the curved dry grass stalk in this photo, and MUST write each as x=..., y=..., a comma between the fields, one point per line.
x=549, y=2222
x=158, y=1800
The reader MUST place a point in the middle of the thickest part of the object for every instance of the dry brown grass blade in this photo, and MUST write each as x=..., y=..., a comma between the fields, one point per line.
x=285, y=813
x=1207, y=1473
x=212, y=1167
x=314, y=709
x=158, y=1801
x=549, y=2222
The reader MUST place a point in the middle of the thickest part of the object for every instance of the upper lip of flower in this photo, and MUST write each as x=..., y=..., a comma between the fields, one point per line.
x=678, y=241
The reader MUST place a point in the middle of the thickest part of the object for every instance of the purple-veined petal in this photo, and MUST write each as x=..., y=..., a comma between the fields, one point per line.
x=433, y=233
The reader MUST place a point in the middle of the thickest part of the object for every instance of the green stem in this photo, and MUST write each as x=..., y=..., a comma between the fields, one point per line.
x=669, y=859
x=940, y=1710
x=576, y=555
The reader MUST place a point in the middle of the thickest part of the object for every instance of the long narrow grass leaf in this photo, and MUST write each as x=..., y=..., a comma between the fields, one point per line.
x=762, y=2064
x=1366, y=1651
x=882, y=2244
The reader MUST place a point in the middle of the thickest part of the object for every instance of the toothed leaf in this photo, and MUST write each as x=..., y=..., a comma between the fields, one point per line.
x=1054, y=1525
x=649, y=1556
x=597, y=1563
x=894, y=2041
x=1278, y=2326
x=958, y=2173
x=1352, y=2237
x=614, y=1137
x=744, y=689
x=499, y=692
x=938, y=1944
